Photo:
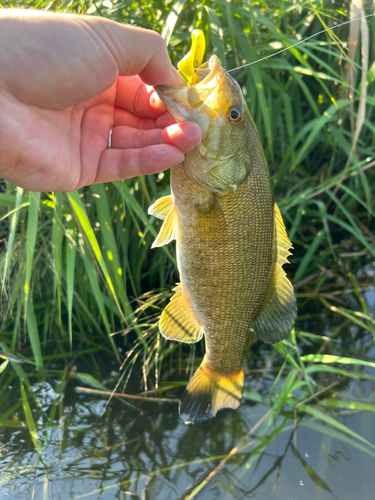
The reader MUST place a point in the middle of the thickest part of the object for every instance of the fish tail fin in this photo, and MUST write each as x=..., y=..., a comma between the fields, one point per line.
x=208, y=392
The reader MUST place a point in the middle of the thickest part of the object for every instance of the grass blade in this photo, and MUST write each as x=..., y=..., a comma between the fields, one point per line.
x=13, y=228
x=109, y=245
x=87, y=229
x=302, y=269
x=32, y=226
x=328, y=358
x=331, y=369
x=3, y=365
x=171, y=21
x=30, y=422
x=328, y=431
x=70, y=259
x=57, y=239
x=311, y=473
x=94, y=282
x=350, y=405
x=285, y=390
x=15, y=365
x=217, y=35
x=33, y=333
x=332, y=422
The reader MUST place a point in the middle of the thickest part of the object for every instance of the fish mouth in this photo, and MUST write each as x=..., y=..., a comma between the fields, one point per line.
x=182, y=102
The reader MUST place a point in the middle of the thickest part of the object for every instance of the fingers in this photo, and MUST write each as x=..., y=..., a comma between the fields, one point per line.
x=118, y=164
x=140, y=152
x=165, y=120
x=185, y=136
x=123, y=117
x=137, y=98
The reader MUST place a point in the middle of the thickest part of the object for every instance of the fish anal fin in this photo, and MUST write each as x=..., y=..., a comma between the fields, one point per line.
x=279, y=310
x=161, y=207
x=167, y=231
x=210, y=391
x=178, y=321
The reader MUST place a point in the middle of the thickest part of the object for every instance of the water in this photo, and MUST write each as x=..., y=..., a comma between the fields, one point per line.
x=153, y=455
x=91, y=450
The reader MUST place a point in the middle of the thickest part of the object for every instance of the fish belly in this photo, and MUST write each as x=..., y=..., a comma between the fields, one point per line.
x=225, y=259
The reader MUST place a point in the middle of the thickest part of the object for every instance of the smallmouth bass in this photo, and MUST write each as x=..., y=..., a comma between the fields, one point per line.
x=230, y=239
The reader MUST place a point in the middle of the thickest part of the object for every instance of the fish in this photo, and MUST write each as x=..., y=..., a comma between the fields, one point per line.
x=231, y=242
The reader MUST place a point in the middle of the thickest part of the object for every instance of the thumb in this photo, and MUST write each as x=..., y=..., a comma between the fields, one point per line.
x=138, y=52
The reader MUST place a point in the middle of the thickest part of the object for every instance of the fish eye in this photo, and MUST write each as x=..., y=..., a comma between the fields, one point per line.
x=235, y=114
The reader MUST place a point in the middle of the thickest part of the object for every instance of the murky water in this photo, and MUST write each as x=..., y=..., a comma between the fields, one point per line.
x=91, y=450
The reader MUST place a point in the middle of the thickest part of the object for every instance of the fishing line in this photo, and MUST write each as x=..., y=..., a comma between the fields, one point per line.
x=301, y=41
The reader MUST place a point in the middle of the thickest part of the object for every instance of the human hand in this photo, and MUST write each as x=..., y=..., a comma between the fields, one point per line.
x=64, y=82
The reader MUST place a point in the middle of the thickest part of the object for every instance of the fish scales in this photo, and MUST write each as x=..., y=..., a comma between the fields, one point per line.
x=225, y=283
x=230, y=239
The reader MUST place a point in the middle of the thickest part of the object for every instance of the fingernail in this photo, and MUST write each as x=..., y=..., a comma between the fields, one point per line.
x=192, y=131
x=157, y=103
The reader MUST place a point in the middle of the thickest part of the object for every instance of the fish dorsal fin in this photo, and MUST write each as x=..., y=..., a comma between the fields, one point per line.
x=279, y=310
x=161, y=207
x=164, y=209
x=178, y=321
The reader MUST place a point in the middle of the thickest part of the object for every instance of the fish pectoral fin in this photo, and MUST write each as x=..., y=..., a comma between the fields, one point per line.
x=178, y=321
x=167, y=231
x=161, y=207
x=208, y=392
x=279, y=311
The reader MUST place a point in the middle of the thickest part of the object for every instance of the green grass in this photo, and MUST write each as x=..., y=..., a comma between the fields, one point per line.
x=80, y=284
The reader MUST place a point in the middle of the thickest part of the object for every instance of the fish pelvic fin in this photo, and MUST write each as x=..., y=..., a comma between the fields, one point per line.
x=279, y=310
x=208, y=392
x=161, y=207
x=164, y=209
x=178, y=321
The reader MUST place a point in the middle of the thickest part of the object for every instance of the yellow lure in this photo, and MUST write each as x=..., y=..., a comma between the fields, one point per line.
x=193, y=58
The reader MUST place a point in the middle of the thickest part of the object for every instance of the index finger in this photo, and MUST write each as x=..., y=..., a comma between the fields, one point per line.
x=135, y=96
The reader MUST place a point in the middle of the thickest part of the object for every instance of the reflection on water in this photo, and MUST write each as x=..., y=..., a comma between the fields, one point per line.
x=91, y=450
x=154, y=456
